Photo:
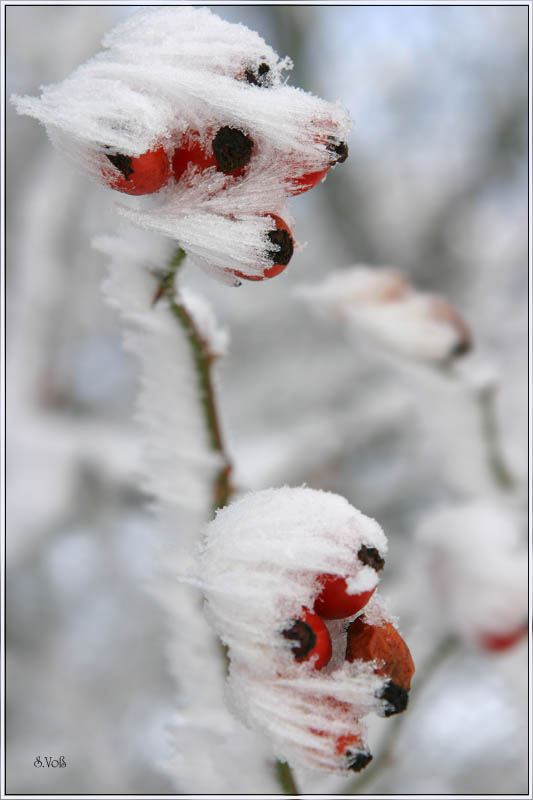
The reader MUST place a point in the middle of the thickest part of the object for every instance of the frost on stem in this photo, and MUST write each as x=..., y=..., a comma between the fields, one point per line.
x=382, y=304
x=260, y=566
x=181, y=469
x=194, y=111
x=476, y=574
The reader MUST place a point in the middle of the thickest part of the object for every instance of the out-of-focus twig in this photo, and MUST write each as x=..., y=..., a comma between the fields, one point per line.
x=485, y=398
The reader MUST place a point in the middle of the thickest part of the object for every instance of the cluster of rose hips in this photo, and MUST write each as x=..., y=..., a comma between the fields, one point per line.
x=380, y=643
x=230, y=151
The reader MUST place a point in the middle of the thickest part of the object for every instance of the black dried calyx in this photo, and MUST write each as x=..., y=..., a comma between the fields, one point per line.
x=358, y=760
x=232, y=149
x=396, y=698
x=370, y=557
x=339, y=151
x=260, y=76
x=283, y=240
x=304, y=635
x=122, y=163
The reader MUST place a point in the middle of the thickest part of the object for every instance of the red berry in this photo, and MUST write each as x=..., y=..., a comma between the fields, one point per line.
x=496, y=642
x=383, y=643
x=229, y=150
x=280, y=236
x=334, y=602
x=311, y=639
x=302, y=183
x=138, y=175
x=190, y=151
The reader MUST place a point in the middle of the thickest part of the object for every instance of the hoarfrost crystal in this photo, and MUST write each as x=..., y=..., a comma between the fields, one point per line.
x=175, y=75
x=259, y=565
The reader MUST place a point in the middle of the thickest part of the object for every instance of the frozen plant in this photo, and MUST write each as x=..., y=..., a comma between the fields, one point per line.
x=189, y=116
x=289, y=575
x=192, y=111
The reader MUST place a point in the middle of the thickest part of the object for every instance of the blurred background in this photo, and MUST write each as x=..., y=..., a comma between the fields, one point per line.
x=436, y=186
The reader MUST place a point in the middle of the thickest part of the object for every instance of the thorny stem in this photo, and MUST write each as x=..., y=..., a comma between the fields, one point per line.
x=445, y=648
x=222, y=488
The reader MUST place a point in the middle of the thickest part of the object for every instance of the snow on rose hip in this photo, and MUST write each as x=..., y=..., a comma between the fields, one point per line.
x=144, y=174
x=335, y=601
x=280, y=253
x=262, y=567
x=338, y=153
x=229, y=150
x=196, y=113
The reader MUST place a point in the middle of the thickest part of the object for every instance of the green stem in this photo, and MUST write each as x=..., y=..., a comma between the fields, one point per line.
x=446, y=647
x=286, y=778
x=202, y=362
x=222, y=488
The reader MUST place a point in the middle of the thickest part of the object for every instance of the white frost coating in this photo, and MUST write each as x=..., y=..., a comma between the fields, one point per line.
x=179, y=471
x=381, y=303
x=259, y=566
x=205, y=322
x=183, y=472
x=476, y=570
x=171, y=71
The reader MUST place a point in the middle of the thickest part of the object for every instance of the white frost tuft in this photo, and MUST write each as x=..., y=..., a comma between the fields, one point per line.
x=180, y=468
x=259, y=566
x=174, y=71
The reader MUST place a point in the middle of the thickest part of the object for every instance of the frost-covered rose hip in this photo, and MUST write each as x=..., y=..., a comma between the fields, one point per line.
x=334, y=600
x=191, y=151
x=258, y=566
x=137, y=175
x=310, y=638
x=281, y=253
x=228, y=149
x=302, y=183
x=353, y=752
x=349, y=749
x=384, y=645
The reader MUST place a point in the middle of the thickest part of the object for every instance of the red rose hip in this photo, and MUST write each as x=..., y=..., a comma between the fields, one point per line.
x=230, y=151
x=280, y=254
x=310, y=639
x=137, y=175
x=302, y=183
x=334, y=600
x=383, y=643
